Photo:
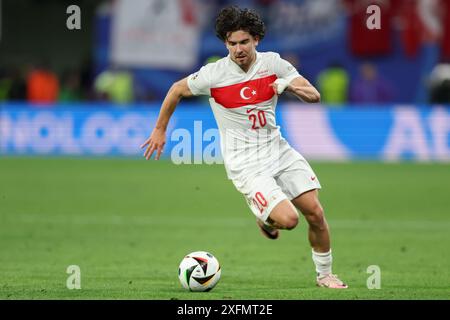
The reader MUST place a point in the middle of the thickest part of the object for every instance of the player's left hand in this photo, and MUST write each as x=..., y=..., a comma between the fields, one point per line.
x=279, y=86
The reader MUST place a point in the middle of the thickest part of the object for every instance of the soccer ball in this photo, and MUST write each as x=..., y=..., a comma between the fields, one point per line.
x=199, y=271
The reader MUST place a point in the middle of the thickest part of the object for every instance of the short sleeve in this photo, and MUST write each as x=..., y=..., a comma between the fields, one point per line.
x=199, y=82
x=284, y=69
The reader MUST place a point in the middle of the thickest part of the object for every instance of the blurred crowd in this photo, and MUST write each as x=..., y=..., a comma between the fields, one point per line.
x=41, y=84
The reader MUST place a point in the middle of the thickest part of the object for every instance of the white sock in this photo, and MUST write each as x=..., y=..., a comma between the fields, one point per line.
x=323, y=261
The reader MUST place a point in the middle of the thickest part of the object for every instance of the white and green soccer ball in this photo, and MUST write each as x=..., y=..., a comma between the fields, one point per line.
x=199, y=271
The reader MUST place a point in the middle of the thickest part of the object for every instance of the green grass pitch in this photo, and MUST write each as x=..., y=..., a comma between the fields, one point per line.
x=127, y=223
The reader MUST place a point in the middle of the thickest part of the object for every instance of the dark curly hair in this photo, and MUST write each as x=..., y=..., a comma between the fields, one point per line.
x=231, y=19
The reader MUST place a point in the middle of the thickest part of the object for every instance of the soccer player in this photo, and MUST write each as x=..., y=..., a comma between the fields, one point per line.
x=243, y=89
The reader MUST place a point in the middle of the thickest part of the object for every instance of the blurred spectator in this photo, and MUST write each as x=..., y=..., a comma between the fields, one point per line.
x=70, y=87
x=87, y=79
x=18, y=87
x=439, y=84
x=143, y=91
x=333, y=84
x=5, y=84
x=212, y=59
x=114, y=85
x=370, y=87
x=42, y=85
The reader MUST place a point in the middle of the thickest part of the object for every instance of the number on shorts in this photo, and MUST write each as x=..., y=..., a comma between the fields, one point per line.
x=259, y=201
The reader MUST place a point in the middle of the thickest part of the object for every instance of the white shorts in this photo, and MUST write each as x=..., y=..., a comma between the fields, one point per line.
x=264, y=191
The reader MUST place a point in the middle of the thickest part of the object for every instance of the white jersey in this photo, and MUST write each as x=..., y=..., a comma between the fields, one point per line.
x=244, y=104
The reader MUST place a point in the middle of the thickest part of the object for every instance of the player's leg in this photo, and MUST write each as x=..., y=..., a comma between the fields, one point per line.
x=282, y=216
x=300, y=184
x=269, y=204
x=318, y=232
x=319, y=237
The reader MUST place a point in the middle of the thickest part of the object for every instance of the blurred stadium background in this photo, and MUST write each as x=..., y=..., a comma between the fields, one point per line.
x=75, y=105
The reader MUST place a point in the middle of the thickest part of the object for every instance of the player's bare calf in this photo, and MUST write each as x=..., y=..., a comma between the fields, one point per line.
x=318, y=231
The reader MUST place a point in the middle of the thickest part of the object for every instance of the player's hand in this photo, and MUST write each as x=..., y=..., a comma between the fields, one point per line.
x=274, y=88
x=279, y=86
x=156, y=141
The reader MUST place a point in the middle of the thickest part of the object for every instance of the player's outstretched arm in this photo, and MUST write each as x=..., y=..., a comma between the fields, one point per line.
x=304, y=90
x=300, y=87
x=157, y=138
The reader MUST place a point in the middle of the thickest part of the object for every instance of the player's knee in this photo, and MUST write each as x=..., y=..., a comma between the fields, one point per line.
x=284, y=216
x=291, y=221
